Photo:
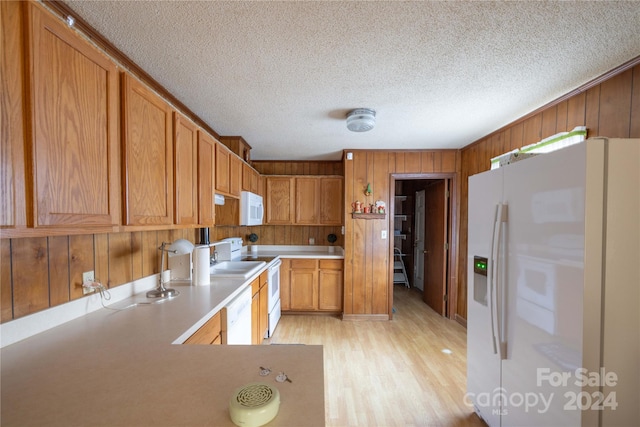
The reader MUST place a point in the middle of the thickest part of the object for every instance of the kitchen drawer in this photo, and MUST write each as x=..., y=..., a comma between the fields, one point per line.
x=208, y=333
x=331, y=264
x=298, y=264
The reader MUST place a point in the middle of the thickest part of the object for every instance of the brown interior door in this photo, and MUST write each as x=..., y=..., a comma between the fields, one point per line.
x=435, y=271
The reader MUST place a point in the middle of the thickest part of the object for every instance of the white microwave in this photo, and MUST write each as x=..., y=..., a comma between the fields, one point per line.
x=251, y=208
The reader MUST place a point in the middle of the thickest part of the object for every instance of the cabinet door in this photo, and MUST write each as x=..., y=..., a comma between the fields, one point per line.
x=208, y=333
x=222, y=168
x=185, y=170
x=330, y=286
x=247, y=172
x=147, y=154
x=285, y=285
x=307, y=201
x=250, y=179
x=255, y=182
x=74, y=90
x=206, y=178
x=304, y=284
x=263, y=325
x=13, y=194
x=235, y=175
x=280, y=200
x=331, y=201
x=255, y=319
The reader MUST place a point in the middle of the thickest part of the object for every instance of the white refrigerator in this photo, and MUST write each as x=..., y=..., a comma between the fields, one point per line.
x=553, y=330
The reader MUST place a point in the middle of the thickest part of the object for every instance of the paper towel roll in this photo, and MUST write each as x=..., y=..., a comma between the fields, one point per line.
x=201, y=266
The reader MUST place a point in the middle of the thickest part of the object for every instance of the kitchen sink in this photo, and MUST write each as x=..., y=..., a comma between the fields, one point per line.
x=241, y=269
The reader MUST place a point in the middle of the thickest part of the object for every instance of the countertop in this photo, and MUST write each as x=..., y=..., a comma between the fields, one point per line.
x=125, y=367
x=297, y=251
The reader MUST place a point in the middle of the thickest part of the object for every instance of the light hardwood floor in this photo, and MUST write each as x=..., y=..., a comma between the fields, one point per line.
x=388, y=373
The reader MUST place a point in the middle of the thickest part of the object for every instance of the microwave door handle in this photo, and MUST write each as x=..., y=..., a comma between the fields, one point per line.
x=260, y=212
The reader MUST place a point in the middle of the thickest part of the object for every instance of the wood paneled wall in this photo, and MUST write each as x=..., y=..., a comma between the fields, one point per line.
x=41, y=272
x=285, y=167
x=282, y=234
x=609, y=108
x=366, y=280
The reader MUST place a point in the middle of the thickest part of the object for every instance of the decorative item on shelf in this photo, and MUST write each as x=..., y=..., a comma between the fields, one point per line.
x=357, y=206
x=366, y=209
x=380, y=207
x=367, y=191
x=331, y=238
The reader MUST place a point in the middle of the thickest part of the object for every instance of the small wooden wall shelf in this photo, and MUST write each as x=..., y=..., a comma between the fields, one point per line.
x=368, y=215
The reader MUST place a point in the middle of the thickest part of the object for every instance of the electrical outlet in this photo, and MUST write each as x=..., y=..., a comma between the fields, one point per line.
x=88, y=276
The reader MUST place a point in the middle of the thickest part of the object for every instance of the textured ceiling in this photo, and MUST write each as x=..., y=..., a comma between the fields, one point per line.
x=439, y=74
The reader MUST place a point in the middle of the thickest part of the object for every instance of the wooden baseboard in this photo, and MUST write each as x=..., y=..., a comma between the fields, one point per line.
x=460, y=320
x=377, y=317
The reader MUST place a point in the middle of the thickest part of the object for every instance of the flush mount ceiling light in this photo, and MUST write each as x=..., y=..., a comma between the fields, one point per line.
x=361, y=119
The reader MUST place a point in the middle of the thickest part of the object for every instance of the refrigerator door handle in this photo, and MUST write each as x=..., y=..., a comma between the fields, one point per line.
x=501, y=217
x=490, y=280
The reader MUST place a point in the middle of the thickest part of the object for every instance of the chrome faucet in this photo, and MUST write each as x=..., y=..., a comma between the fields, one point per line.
x=214, y=258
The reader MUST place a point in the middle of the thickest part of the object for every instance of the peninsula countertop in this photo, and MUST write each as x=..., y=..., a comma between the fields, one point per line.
x=119, y=368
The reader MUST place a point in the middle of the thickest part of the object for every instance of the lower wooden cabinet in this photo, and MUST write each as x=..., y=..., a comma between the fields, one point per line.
x=311, y=285
x=330, y=284
x=209, y=333
x=259, y=308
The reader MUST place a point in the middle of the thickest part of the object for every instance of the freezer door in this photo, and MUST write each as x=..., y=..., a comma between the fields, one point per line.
x=544, y=288
x=483, y=363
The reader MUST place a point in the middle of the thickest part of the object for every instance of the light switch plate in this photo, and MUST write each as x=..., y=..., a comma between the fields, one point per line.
x=383, y=234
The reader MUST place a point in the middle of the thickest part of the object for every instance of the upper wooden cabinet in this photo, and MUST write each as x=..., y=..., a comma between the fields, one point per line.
x=237, y=145
x=235, y=175
x=185, y=161
x=304, y=200
x=307, y=201
x=206, y=178
x=331, y=201
x=147, y=155
x=74, y=126
x=222, y=169
x=13, y=195
x=250, y=179
x=280, y=199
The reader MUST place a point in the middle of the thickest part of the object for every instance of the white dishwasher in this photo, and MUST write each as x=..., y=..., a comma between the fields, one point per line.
x=238, y=318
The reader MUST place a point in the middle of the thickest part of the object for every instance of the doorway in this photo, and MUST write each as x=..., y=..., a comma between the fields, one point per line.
x=422, y=232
